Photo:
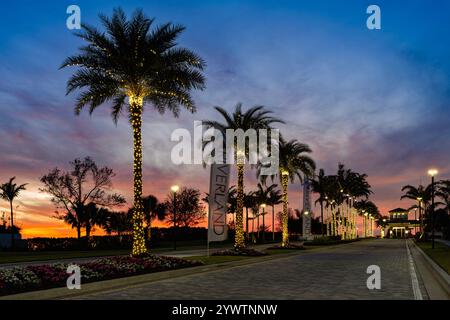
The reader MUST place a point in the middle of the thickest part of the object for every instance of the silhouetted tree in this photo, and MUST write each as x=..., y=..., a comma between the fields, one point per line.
x=189, y=210
x=73, y=190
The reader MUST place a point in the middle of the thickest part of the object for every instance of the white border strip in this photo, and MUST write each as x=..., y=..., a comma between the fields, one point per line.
x=412, y=271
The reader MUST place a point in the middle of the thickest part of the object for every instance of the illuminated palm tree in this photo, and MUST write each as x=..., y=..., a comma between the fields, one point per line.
x=293, y=163
x=9, y=191
x=131, y=65
x=255, y=118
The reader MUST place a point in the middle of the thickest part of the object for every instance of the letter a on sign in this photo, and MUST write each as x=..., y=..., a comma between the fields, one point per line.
x=218, y=202
x=374, y=20
x=374, y=280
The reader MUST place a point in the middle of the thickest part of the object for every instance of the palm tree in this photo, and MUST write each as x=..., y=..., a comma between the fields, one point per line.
x=254, y=118
x=319, y=186
x=421, y=195
x=249, y=202
x=9, y=191
x=443, y=192
x=368, y=210
x=131, y=63
x=262, y=196
x=275, y=198
x=293, y=163
x=153, y=209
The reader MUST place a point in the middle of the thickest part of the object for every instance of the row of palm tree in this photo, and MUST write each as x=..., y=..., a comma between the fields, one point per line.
x=344, y=196
x=421, y=196
x=133, y=64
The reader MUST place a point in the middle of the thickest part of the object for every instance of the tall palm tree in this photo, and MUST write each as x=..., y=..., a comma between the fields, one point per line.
x=9, y=191
x=275, y=198
x=257, y=117
x=293, y=163
x=134, y=64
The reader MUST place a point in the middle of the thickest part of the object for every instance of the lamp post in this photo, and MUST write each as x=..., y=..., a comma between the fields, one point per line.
x=263, y=221
x=365, y=223
x=432, y=173
x=420, y=215
x=175, y=190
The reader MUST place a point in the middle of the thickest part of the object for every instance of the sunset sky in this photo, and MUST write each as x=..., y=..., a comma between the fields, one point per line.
x=377, y=101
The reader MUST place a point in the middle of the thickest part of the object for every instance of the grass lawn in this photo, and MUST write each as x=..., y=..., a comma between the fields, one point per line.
x=440, y=254
x=13, y=257
x=16, y=257
x=217, y=259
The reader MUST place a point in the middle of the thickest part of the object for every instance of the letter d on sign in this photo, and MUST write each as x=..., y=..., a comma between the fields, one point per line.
x=374, y=281
x=74, y=280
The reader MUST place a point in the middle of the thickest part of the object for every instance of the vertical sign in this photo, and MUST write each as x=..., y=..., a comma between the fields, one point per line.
x=306, y=218
x=218, y=202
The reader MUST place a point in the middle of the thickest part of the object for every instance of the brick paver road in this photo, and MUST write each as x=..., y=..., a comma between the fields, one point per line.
x=333, y=273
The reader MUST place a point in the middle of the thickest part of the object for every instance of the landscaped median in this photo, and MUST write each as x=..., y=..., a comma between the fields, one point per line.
x=39, y=277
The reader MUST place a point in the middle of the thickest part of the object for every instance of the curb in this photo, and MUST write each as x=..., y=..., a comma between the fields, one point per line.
x=440, y=274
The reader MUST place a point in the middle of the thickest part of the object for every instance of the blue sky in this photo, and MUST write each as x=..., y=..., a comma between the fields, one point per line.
x=376, y=100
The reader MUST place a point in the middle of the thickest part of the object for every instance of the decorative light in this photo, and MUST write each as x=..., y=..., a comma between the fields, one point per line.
x=432, y=172
x=239, y=226
x=263, y=205
x=175, y=188
x=284, y=183
x=139, y=246
x=306, y=213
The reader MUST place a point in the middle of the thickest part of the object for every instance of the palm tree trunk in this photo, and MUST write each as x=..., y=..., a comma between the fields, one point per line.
x=258, y=229
x=263, y=228
x=239, y=226
x=12, y=226
x=285, y=233
x=139, y=246
x=246, y=220
x=321, y=217
x=273, y=223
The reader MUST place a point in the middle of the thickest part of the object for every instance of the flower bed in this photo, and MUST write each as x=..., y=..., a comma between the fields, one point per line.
x=239, y=252
x=39, y=277
x=288, y=247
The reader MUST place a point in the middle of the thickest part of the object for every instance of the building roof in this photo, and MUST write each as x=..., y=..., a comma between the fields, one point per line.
x=398, y=210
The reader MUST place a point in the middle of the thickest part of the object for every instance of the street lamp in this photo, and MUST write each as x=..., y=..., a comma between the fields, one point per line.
x=175, y=189
x=420, y=215
x=432, y=173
